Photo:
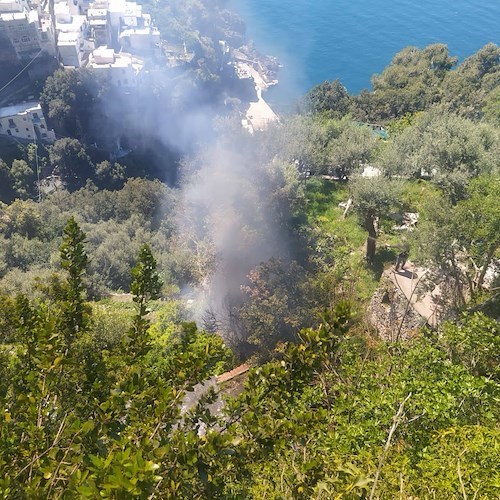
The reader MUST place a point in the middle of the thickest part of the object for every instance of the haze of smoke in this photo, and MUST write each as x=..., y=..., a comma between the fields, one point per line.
x=169, y=110
x=227, y=214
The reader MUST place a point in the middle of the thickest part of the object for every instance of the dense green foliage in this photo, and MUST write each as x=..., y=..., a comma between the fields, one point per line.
x=104, y=398
x=117, y=223
x=82, y=421
x=69, y=98
x=199, y=24
x=73, y=412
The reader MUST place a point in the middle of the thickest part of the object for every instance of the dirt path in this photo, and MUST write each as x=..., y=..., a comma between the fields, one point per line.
x=424, y=302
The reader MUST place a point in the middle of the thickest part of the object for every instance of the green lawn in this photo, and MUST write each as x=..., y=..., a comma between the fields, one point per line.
x=324, y=214
x=322, y=208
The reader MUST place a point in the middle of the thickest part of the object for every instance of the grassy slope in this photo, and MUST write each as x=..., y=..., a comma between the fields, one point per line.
x=324, y=214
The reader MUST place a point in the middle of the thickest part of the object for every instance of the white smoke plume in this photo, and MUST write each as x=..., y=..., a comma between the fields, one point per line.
x=228, y=215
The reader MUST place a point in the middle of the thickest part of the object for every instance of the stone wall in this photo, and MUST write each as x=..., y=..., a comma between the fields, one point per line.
x=390, y=314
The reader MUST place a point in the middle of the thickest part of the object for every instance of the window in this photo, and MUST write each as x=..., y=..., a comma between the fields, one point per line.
x=29, y=136
x=44, y=135
x=35, y=116
x=11, y=123
x=27, y=129
x=9, y=132
x=42, y=126
x=17, y=130
x=25, y=39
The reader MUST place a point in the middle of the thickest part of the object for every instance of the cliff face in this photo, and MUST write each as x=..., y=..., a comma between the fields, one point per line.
x=391, y=314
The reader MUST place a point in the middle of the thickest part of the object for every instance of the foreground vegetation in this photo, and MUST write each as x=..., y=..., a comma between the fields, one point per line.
x=90, y=413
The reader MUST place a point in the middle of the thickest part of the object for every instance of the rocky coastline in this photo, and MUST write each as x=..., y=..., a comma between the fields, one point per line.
x=262, y=71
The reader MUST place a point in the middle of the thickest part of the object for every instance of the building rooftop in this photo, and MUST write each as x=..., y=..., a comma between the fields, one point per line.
x=139, y=31
x=61, y=9
x=17, y=109
x=70, y=38
x=98, y=22
x=12, y=5
x=103, y=55
x=107, y=58
x=97, y=13
x=13, y=16
x=33, y=16
x=75, y=24
x=127, y=8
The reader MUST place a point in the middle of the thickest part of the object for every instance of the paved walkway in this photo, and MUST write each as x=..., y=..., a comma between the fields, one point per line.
x=258, y=114
x=423, y=302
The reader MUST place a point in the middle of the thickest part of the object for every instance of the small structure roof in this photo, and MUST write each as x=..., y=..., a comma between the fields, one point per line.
x=18, y=109
x=70, y=38
x=103, y=55
x=107, y=58
x=13, y=16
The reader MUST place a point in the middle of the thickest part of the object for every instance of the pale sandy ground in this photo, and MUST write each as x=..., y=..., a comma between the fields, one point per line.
x=258, y=114
x=407, y=281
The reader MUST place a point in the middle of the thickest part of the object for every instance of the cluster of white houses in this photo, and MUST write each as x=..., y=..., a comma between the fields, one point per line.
x=72, y=29
x=112, y=37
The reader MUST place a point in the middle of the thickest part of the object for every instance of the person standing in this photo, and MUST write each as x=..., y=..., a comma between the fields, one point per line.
x=401, y=259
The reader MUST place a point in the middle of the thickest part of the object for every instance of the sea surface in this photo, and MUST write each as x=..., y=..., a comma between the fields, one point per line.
x=318, y=40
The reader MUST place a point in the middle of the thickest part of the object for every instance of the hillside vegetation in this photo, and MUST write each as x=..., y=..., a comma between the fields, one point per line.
x=100, y=281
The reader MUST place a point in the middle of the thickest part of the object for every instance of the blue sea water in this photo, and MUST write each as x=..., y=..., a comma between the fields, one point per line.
x=318, y=40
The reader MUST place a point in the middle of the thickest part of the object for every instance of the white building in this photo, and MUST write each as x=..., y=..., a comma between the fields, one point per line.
x=122, y=70
x=66, y=21
x=69, y=46
x=143, y=41
x=72, y=32
x=75, y=7
x=45, y=31
x=132, y=29
x=25, y=121
x=25, y=31
x=100, y=29
x=123, y=13
x=13, y=6
x=21, y=33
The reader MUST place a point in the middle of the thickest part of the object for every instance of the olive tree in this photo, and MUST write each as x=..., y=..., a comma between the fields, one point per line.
x=448, y=149
x=373, y=199
x=462, y=241
x=330, y=97
x=354, y=146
